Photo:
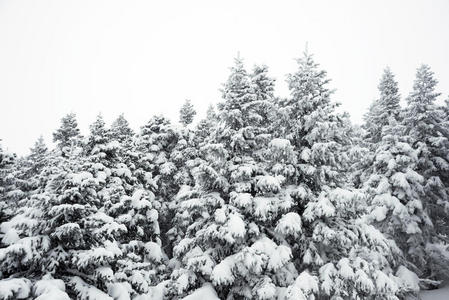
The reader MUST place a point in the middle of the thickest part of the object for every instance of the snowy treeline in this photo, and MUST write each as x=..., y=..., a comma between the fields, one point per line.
x=265, y=198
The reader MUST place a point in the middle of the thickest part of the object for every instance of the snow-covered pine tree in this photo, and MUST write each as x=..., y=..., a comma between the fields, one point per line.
x=98, y=137
x=26, y=174
x=92, y=226
x=120, y=130
x=263, y=84
x=6, y=164
x=382, y=109
x=128, y=208
x=228, y=217
x=396, y=193
x=264, y=106
x=68, y=134
x=211, y=114
x=336, y=253
x=389, y=98
x=154, y=169
x=420, y=119
x=204, y=127
x=187, y=113
x=38, y=156
x=153, y=146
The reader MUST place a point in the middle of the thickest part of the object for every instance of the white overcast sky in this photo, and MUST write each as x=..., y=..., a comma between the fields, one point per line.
x=146, y=57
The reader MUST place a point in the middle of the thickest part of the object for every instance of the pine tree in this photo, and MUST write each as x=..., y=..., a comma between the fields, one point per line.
x=93, y=220
x=371, y=126
x=381, y=112
x=155, y=170
x=238, y=93
x=120, y=130
x=204, y=128
x=6, y=163
x=98, y=137
x=154, y=146
x=264, y=106
x=225, y=238
x=68, y=135
x=397, y=192
x=384, y=108
x=420, y=116
x=38, y=156
x=330, y=212
x=186, y=113
x=210, y=113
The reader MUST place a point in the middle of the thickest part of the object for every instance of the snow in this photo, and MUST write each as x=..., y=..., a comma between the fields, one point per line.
x=439, y=294
x=236, y=226
x=269, y=184
x=10, y=237
x=153, y=251
x=206, y=292
x=379, y=213
x=262, y=206
x=222, y=273
x=120, y=290
x=15, y=288
x=243, y=200
x=99, y=255
x=78, y=178
x=307, y=283
x=280, y=143
x=408, y=279
x=50, y=289
x=266, y=290
x=154, y=293
x=290, y=224
x=88, y=292
x=345, y=269
x=220, y=216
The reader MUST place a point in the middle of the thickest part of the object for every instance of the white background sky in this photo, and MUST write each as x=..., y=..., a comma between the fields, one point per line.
x=146, y=57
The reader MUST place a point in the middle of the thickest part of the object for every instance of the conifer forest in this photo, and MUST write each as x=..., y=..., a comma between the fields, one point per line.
x=266, y=197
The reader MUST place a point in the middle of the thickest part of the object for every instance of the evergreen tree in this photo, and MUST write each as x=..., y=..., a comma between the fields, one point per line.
x=420, y=116
x=264, y=106
x=330, y=213
x=38, y=156
x=206, y=125
x=6, y=163
x=68, y=135
x=384, y=108
x=396, y=192
x=154, y=169
x=92, y=225
x=120, y=130
x=98, y=137
x=226, y=219
x=153, y=148
x=186, y=113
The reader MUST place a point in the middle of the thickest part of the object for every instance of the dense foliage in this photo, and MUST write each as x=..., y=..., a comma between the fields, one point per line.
x=264, y=198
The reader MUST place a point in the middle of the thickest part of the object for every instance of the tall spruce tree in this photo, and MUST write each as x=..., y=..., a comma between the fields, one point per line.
x=6, y=163
x=333, y=238
x=226, y=219
x=68, y=134
x=38, y=156
x=397, y=192
x=420, y=117
x=120, y=130
x=204, y=128
x=384, y=108
x=186, y=113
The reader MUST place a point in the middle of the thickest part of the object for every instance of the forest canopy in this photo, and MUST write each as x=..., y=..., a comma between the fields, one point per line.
x=265, y=198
